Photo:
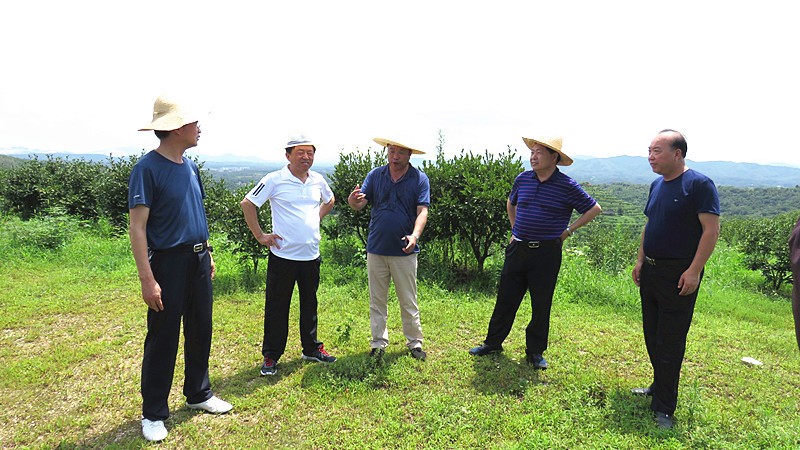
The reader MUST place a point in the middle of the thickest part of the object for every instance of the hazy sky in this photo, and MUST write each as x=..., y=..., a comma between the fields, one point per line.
x=82, y=76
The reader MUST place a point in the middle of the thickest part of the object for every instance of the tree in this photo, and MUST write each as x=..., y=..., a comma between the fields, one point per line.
x=350, y=171
x=764, y=244
x=468, y=200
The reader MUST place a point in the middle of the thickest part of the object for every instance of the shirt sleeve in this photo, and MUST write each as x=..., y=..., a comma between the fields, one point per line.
x=140, y=187
x=262, y=191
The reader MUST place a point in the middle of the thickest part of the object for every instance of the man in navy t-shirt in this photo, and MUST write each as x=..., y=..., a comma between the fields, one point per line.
x=169, y=241
x=399, y=195
x=680, y=234
x=539, y=208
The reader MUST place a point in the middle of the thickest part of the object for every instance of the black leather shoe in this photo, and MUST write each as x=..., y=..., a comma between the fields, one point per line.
x=642, y=391
x=537, y=361
x=484, y=349
x=664, y=421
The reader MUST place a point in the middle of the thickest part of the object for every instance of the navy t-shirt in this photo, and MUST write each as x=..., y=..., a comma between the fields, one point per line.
x=673, y=229
x=174, y=194
x=394, y=208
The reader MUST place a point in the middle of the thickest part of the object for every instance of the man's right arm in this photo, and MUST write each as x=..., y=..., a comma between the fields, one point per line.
x=637, y=268
x=151, y=290
x=251, y=218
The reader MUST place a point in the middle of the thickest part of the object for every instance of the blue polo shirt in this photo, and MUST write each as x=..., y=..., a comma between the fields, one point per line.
x=544, y=208
x=673, y=229
x=174, y=193
x=394, y=208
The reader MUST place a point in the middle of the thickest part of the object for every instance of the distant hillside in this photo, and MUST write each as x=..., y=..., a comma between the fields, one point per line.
x=617, y=169
x=636, y=170
x=9, y=161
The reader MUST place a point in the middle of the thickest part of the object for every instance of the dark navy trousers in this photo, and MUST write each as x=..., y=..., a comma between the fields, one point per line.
x=282, y=274
x=526, y=269
x=185, y=280
x=666, y=317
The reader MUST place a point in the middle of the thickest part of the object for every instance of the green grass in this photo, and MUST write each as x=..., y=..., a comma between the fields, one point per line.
x=73, y=323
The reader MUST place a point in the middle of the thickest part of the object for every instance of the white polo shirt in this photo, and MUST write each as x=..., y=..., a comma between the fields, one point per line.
x=295, y=211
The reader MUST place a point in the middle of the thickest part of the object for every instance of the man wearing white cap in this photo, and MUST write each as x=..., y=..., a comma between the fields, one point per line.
x=169, y=241
x=399, y=195
x=539, y=208
x=299, y=198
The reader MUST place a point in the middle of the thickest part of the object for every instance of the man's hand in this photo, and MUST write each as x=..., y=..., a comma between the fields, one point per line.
x=270, y=240
x=411, y=242
x=688, y=283
x=357, y=199
x=151, y=293
x=636, y=273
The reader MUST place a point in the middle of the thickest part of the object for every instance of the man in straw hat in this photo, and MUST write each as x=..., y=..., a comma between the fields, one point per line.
x=539, y=208
x=399, y=195
x=679, y=236
x=169, y=240
x=299, y=198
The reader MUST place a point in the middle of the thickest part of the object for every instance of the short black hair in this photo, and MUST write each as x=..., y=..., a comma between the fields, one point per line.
x=161, y=134
x=289, y=149
x=678, y=142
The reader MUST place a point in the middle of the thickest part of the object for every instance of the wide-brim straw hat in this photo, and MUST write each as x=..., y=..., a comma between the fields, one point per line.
x=169, y=114
x=384, y=142
x=553, y=143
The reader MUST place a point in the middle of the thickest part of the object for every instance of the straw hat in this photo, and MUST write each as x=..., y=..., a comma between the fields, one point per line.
x=169, y=115
x=384, y=142
x=554, y=144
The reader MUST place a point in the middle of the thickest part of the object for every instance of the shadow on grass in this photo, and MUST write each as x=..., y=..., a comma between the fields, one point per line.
x=497, y=374
x=241, y=385
x=360, y=371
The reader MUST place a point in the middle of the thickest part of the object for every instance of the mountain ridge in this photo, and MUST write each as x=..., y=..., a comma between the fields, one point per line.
x=614, y=169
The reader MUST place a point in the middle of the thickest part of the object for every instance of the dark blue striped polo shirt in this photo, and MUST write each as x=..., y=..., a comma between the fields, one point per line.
x=544, y=209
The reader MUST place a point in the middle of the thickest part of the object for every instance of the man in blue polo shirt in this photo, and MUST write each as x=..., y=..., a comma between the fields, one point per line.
x=680, y=234
x=169, y=241
x=400, y=195
x=539, y=208
x=299, y=198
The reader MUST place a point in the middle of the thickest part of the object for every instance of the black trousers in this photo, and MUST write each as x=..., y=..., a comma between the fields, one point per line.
x=282, y=274
x=185, y=280
x=526, y=269
x=666, y=317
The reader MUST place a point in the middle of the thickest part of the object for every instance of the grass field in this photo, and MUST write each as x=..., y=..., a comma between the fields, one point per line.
x=73, y=323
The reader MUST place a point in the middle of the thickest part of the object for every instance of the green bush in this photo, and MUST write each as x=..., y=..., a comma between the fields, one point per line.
x=468, y=203
x=47, y=232
x=609, y=245
x=764, y=244
x=350, y=171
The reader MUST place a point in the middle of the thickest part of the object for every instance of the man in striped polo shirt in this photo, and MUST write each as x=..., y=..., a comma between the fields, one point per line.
x=539, y=208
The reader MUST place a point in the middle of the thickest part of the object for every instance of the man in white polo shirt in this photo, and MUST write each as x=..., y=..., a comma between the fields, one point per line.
x=299, y=198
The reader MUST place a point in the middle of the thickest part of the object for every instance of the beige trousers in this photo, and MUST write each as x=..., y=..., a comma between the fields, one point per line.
x=403, y=271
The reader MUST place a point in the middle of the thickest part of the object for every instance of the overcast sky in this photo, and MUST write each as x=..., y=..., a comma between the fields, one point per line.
x=82, y=76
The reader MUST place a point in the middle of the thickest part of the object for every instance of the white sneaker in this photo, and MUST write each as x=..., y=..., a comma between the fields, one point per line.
x=214, y=405
x=154, y=430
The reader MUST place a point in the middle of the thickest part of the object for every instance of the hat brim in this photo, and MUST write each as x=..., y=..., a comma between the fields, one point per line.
x=385, y=142
x=170, y=122
x=565, y=159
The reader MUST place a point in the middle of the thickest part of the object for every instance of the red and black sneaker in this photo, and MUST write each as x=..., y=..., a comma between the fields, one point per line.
x=270, y=366
x=319, y=355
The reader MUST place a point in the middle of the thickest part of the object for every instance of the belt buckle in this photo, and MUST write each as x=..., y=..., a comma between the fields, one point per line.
x=533, y=244
x=650, y=260
x=197, y=248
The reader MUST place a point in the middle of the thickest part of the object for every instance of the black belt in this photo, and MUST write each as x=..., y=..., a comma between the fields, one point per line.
x=539, y=244
x=185, y=248
x=667, y=262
